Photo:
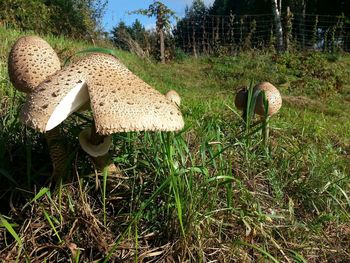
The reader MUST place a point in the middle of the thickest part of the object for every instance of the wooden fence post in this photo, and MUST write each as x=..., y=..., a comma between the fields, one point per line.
x=288, y=29
x=232, y=31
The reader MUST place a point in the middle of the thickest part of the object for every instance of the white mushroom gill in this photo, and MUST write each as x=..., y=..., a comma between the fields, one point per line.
x=76, y=98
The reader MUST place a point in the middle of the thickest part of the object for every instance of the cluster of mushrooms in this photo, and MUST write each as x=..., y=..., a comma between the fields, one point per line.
x=119, y=100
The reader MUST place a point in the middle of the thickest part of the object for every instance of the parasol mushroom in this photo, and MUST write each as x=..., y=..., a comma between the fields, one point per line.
x=268, y=95
x=263, y=94
x=273, y=97
x=31, y=60
x=120, y=101
x=173, y=96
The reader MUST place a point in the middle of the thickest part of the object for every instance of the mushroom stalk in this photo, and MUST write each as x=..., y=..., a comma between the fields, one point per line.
x=101, y=162
x=58, y=153
x=266, y=130
x=95, y=138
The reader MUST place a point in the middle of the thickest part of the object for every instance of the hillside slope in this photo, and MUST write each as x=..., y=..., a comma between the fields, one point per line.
x=211, y=192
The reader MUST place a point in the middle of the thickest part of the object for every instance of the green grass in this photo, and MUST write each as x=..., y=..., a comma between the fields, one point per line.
x=210, y=192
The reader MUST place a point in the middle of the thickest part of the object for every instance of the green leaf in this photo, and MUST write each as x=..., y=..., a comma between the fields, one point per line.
x=10, y=229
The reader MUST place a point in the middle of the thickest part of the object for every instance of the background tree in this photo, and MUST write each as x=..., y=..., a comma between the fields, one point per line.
x=276, y=9
x=74, y=18
x=163, y=16
x=193, y=27
x=121, y=35
x=118, y=35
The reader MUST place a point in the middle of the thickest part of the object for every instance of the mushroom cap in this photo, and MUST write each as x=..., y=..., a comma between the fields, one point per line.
x=120, y=101
x=31, y=61
x=94, y=150
x=241, y=98
x=55, y=99
x=273, y=96
x=174, y=97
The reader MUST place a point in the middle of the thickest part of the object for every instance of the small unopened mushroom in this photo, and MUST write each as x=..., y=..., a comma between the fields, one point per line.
x=273, y=102
x=273, y=97
x=31, y=61
x=173, y=96
x=119, y=100
x=241, y=98
x=241, y=101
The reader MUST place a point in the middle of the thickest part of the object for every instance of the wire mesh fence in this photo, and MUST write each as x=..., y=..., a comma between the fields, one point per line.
x=208, y=34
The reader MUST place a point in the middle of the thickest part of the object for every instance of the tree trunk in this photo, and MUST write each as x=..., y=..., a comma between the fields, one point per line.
x=303, y=5
x=162, y=46
x=278, y=25
x=194, y=48
x=288, y=29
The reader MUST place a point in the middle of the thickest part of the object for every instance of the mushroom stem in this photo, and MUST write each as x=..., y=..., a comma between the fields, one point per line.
x=266, y=130
x=95, y=138
x=101, y=162
x=244, y=115
x=58, y=153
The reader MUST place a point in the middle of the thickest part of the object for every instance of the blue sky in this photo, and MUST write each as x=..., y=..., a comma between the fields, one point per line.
x=117, y=10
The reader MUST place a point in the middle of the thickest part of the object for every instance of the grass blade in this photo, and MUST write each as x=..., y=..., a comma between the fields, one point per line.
x=47, y=216
x=262, y=251
x=10, y=229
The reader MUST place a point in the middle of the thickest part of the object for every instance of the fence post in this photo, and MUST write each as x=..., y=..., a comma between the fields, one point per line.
x=248, y=39
x=314, y=33
x=241, y=21
x=303, y=15
x=288, y=28
x=232, y=31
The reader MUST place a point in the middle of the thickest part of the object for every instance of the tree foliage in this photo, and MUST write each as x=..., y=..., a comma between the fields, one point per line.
x=336, y=7
x=137, y=32
x=74, y=18
x=163, y=16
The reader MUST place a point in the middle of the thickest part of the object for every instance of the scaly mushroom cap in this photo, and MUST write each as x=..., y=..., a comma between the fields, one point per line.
x=241, y=98
x=55, y=99
x=174, y=97
x=273, y=96
x=31, y=60
x=120, y=101
x=94, y=150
